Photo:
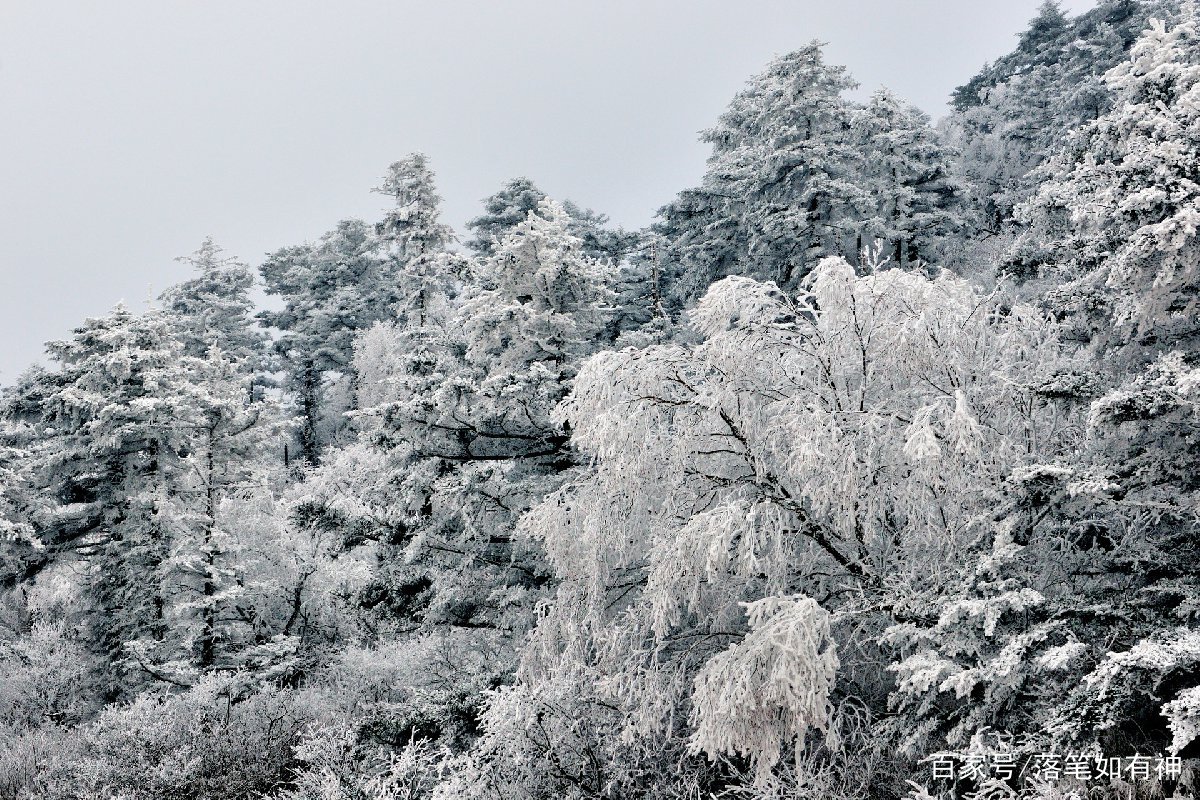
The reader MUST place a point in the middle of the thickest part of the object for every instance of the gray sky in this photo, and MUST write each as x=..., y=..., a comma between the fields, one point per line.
x=131, y=129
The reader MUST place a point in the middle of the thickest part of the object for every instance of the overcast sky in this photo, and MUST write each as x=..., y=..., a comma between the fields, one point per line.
x=131, y=129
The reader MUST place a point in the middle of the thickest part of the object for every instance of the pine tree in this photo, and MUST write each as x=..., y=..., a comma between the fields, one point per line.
x=1039, y=45
x=541, y=299
x=227, y=454
x=416, y=241
x=332, y=289
x=699, y=240
x=511, y=205
x=460, y=430
x=782, y=149
x=107, y=455
x=139, y=444
x=20, y=551
x=1118, y=211
x=412, y=230
x=917, y=201
x=503, y=211
x=214, y=309
x=781, y=187
x=1015, y=113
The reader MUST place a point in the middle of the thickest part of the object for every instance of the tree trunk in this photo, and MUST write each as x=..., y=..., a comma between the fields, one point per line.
x=309, y=410
x=208, y=628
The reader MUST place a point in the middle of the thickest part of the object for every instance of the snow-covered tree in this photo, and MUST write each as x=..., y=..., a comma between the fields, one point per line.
x=468, y=403
x=1037, y=46
x=798, y=173
x=502, y=212
x=762, y=499
x=541, y=299
x=416, y=241
x=214, y=309
x=1070, y=623
x=230, y=449
x=413, y=229
x=1013, y=115
x=354, y=277
x=511, y=205
x=1118, y=212
x=780, y=189
x=917, y=202
x=136, y=446
x=332, y=290
x=107, y=454
x=19, y=548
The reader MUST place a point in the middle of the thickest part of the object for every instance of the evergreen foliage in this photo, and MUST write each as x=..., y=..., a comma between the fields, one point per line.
x=781, y=497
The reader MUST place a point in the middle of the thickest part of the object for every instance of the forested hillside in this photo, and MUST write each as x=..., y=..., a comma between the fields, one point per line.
x=871, y=469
